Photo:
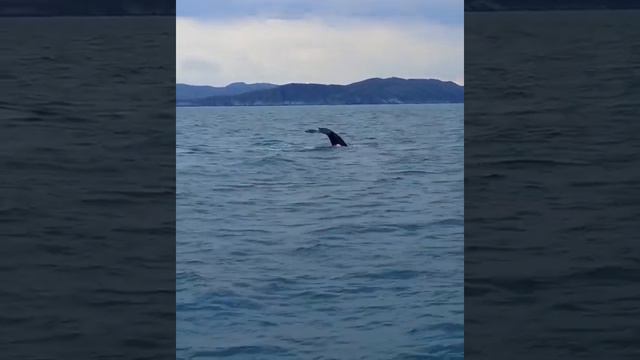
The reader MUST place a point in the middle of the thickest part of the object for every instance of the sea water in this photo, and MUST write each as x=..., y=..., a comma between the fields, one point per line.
x=289, y=248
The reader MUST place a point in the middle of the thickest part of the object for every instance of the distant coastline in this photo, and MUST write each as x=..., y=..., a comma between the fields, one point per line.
x=367, y=92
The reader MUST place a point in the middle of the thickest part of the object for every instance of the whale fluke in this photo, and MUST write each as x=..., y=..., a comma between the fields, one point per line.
x=335, y=139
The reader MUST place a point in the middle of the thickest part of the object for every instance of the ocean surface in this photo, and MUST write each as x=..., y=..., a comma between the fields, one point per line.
x=552, y=185
x=289, y=248
x=87, y=189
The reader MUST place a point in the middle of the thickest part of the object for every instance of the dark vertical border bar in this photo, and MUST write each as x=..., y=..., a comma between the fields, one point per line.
x=552, y=188
x=87, y=185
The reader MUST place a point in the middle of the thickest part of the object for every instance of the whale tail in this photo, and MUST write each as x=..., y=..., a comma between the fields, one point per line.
x=335, y=139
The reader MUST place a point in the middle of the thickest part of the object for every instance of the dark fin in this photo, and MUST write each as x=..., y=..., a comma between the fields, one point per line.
x=336, y=139
x=333, y=137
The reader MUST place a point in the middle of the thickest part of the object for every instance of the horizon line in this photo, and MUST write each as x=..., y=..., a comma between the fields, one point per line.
x=316, y=83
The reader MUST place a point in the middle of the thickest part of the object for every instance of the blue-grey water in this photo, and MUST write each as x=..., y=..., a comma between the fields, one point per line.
x=87, y=188
x=552, y=185
x=289, y=248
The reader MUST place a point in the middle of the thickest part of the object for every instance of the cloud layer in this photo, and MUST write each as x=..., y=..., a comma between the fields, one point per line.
x=440, y=11
x=336, y=50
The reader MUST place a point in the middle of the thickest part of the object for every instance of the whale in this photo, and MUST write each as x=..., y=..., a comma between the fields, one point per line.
x=334, y=138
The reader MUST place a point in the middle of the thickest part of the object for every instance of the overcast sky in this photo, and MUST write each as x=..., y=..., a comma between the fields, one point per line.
x=323, y=41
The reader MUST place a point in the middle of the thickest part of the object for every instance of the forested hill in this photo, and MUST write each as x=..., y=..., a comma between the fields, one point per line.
x=370, y=91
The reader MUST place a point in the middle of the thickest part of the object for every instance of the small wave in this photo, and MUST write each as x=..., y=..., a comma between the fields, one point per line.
x=148, y=230
x=449, y=222
x=360, y=289
x=315, y=295
x=137, y=292
x=259, y=350
x=268, y=143
x=449, y=352
x=143, y=343
x=618, y=273
x=588, y=184
x=53, y=338
x=190, y=276
x=550, y=162
x=355, y=229
x=410, y=172
x=245, y=231
x=269, y=160
x=56, y=249
x=570, y=307
x=493, y=176
x=448, y=327
x=141, y=194
x=102, y=201
x=388, y=275
x=315, y=248
x=516, y=285
x=9, y=320
x=320, y=149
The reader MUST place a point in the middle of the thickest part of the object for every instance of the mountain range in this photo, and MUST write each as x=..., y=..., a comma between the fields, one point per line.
x=371, y=91
x=185, y=92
